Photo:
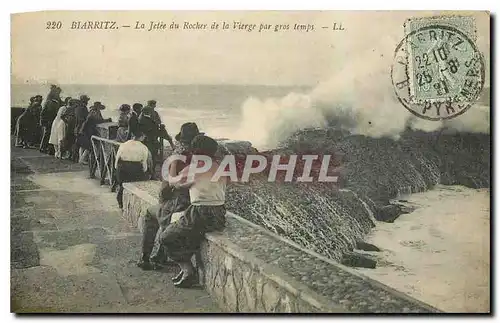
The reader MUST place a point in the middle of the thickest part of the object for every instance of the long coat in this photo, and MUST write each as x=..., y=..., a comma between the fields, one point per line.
x=49, y=111
x=58, y=129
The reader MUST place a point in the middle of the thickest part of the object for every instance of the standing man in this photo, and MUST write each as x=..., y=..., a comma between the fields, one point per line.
x=23, y=125
x=81, y=113
x=48, y=114
x=37, y=109
x=151, y=105
x=89, y=128
x=133, y=121
x=69, y=118
x=149, y=124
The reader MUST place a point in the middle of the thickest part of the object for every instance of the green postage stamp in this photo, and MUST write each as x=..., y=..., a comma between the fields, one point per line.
x=444, y=63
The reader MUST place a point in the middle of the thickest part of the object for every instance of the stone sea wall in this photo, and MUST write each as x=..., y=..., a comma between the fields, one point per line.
x=246, y=268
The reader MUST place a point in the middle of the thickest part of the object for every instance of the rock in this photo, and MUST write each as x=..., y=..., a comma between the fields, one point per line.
x=237, y=146
x=354, y=259
x=361, y=245
x=388, y=213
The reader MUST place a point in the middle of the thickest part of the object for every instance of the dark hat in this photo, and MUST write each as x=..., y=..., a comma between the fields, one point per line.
x=205, y=145
x=98, y=104
x=125, y=107
x=137, y=107
x=72, y=101
x=84, y=98
x=151, y=102
x=189, y=130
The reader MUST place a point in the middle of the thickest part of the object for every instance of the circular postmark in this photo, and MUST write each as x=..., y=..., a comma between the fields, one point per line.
x=437, y=72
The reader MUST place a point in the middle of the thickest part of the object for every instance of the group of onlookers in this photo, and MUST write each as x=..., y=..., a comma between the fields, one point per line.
x=64, y=128
x=61, y=127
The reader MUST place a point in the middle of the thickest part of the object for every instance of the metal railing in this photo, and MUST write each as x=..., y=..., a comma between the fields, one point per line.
x=102, y=160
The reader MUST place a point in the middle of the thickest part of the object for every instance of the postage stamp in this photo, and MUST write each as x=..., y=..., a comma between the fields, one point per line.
x=438, y=72
x=438, y=56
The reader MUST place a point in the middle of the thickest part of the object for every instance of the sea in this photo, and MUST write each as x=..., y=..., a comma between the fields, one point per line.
x=217, y=109
x=440, y=252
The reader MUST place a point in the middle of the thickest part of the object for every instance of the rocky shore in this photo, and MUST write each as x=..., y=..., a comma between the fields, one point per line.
x=331, y=222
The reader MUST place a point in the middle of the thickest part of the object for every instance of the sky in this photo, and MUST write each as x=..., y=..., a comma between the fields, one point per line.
x=129, y=56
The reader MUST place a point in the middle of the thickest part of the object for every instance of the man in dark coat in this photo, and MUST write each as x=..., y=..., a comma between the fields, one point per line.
x=81, y=113
x=149, y=124
x=150, y=109
x=36, y=130
x=69, y=118
x=133, y=121
x=89, y=129
x=23, y=125
x=48, y=114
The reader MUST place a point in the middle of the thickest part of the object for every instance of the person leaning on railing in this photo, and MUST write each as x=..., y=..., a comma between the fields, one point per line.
x=133, y=163
x=123, y=123
x=89, y=129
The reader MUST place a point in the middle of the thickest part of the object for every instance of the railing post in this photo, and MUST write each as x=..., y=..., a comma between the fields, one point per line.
x=102, y=167
x=92, y=158
x=105, y=163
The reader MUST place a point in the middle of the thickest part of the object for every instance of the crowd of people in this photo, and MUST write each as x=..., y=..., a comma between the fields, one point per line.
x=64, y=128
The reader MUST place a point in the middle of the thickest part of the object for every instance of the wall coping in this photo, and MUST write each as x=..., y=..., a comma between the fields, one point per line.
x=334, y=263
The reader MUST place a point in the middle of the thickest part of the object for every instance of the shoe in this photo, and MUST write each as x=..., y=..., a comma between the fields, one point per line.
x=145, y=265
x=186, y=282
x=177, y=277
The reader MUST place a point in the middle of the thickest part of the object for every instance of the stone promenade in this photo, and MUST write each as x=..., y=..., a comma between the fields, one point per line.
x=71, y=251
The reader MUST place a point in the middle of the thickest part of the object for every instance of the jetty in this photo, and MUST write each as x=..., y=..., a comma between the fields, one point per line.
x=74, y=250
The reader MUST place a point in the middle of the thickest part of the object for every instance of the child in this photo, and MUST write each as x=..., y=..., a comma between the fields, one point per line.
x=58, y=132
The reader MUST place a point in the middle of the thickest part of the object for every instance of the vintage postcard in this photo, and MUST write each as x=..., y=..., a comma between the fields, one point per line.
x=250, y=161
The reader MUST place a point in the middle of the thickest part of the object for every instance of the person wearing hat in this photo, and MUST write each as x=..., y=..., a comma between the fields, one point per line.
x=48, y=114
x=89, y=129
x=23, y=125
x=69, y=118
x=122, y=131
x=150, y=109
x=133, y=121
x=81, y=113
x=149, y=124
x=205, y=213
x=188, y=131
x=36, y=129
